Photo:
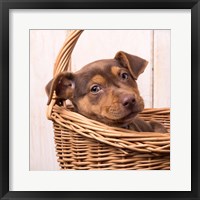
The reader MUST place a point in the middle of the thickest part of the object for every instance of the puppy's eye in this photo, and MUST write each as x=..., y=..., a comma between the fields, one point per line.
x=95, y=89
x=124, y=75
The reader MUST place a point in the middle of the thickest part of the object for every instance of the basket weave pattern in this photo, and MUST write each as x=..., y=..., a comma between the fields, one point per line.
x=84, y=144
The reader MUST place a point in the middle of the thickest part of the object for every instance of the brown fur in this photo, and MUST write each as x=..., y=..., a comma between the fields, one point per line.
x=106, y=91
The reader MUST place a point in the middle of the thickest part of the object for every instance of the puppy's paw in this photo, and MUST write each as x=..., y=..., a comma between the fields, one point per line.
x=157, y=127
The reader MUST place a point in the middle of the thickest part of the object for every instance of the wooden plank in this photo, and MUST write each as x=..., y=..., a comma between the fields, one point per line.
x=161, y=68
x=44, y=47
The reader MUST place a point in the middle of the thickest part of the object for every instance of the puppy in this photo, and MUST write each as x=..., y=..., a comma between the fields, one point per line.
x=106, y=91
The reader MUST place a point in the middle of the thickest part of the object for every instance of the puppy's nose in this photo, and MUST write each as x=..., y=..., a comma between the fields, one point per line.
x=128, y=101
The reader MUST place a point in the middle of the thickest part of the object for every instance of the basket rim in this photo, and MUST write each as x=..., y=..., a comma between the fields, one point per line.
x=114, y=136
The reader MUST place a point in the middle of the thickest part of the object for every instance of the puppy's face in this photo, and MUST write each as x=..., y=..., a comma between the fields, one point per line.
x=105, y=90
x=107, y=93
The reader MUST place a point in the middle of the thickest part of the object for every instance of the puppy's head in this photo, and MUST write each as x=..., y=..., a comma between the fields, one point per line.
x=105, y=90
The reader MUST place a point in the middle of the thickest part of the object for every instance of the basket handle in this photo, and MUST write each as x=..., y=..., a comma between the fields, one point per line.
x=63, y=59
x=62, y=62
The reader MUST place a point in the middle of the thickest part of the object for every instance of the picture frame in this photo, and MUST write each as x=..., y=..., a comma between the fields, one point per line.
x=5, y=125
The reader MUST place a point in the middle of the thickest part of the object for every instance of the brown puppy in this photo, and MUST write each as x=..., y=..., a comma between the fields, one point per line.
x=106, y=91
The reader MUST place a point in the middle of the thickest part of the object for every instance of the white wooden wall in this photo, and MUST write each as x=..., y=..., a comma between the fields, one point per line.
x=154, y=83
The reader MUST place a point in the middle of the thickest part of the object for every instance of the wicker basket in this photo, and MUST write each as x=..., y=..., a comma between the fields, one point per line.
x=85, y=144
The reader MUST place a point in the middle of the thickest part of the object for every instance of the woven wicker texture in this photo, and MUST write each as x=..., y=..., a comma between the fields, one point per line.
x=83, y=144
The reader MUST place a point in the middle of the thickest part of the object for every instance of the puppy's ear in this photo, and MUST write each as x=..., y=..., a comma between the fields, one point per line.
x=63, y=85
x=136, y=65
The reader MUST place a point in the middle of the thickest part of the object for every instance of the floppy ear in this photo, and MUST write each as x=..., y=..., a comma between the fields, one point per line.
x=63, y=85
x=136, y=65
